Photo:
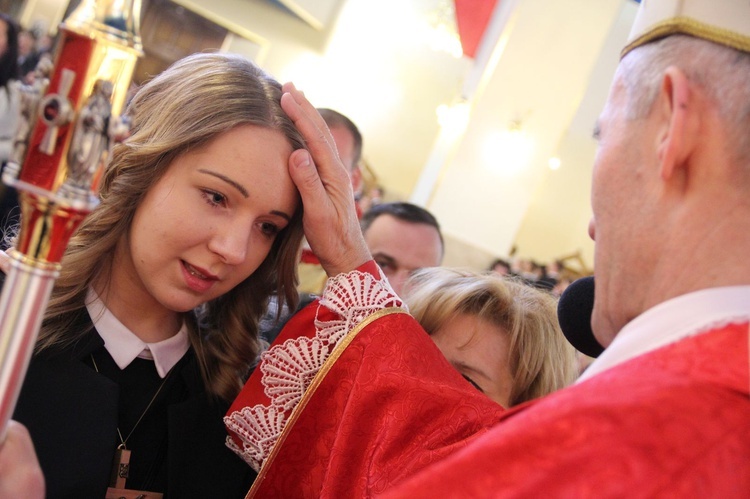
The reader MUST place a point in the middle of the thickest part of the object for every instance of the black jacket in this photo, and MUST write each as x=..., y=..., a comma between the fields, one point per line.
x=71, y=412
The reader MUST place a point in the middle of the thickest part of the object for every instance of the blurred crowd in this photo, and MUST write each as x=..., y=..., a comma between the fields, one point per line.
x=553, y=276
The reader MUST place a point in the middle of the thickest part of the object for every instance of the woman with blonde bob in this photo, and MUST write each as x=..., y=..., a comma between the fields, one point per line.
x=501, y=335
x=152, y=324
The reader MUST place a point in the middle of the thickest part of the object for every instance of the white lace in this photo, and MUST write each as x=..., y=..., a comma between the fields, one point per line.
x=290, y=367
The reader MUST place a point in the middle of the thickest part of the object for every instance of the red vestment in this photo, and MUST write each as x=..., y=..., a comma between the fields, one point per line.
x=674, y=422
x=364, y=405
x=384, y=404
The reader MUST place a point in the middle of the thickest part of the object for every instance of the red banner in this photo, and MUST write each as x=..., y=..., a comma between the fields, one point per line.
x=472, y=18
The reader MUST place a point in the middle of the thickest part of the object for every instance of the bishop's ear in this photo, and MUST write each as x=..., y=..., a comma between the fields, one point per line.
x=677, y=111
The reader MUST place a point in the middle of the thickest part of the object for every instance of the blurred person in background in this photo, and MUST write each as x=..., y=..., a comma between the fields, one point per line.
x=402, y=238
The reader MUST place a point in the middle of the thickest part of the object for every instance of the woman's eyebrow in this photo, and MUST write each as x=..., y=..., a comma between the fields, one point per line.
x=242, y=190
x=228, y=180
x=282, y=215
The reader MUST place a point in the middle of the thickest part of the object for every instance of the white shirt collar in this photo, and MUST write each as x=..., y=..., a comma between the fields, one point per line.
x=673, y=320
x=124, y=346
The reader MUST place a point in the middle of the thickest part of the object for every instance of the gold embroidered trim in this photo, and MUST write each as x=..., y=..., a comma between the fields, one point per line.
x=689, y=26
x=317, y=380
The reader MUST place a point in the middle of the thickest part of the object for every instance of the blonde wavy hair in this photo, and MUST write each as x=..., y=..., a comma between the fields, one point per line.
x=541, y=359
x=186, y=106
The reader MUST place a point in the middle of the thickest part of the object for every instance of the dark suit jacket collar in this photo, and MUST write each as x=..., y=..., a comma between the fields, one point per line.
x=90, y=341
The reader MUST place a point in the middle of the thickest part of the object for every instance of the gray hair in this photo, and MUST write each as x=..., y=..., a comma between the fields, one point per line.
x=722, y=72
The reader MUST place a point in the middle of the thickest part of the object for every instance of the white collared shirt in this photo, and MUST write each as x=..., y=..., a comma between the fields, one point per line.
x=124, y=346
x=673, y=320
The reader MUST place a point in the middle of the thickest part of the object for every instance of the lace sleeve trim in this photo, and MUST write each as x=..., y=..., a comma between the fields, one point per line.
x=289, y=368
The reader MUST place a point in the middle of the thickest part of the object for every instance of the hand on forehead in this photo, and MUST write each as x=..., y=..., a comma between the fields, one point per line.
x=330, y=218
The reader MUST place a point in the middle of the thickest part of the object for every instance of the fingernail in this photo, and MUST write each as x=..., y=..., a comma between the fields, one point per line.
x=303, y=160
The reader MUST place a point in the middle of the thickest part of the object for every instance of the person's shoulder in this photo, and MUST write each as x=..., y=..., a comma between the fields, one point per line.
x=630, y=421
x=657, y=389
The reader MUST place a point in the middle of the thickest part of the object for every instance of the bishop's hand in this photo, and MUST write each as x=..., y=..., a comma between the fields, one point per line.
x=330, y=219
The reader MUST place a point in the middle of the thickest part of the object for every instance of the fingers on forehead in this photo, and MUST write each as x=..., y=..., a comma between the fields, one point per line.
x=307, y=119
x=306, y=106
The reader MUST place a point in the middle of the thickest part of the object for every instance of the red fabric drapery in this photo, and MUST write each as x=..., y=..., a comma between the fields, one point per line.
x=472, y=18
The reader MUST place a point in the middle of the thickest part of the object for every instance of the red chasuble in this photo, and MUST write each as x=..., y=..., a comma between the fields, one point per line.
x=383, y=405
x=366, y=406
x=671, y=423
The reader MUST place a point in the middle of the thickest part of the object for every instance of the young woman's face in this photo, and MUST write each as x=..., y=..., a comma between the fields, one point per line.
x=210, y=221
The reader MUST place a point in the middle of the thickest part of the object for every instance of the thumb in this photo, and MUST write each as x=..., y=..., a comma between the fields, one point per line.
x=305, y=177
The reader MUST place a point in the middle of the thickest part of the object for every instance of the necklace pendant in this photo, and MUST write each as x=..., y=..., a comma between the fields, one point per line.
x=120, y=472
x=120, y=468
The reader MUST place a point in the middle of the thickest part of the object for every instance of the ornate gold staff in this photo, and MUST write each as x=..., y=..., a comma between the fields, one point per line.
x=76, y=115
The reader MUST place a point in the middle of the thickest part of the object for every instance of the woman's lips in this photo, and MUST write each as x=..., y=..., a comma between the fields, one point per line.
x=198, y=279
